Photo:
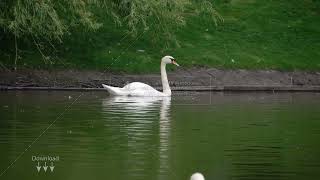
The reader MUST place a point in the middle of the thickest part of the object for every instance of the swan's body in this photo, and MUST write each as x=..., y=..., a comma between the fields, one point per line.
x=197, y=176
x=142, y=89
x=133, y=89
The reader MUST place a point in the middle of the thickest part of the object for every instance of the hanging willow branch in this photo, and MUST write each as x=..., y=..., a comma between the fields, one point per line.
x=52, y=19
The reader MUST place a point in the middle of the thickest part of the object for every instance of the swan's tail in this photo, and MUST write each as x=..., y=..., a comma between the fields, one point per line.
x=114, y=90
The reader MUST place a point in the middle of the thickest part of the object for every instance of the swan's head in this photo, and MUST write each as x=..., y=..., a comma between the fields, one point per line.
x=197, y=176
x=169, y=60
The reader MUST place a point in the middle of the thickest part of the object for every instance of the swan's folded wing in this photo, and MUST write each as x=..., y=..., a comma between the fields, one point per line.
x=137, y=85
x=115, y=90
x=133, y=89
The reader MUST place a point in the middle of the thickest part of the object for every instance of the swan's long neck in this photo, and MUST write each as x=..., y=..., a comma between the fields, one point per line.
x=164, y=79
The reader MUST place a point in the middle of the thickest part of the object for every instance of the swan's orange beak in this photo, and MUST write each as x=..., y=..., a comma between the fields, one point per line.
x=175, y=63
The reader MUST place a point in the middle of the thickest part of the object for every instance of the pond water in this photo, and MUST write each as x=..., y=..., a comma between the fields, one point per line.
x=89, y=135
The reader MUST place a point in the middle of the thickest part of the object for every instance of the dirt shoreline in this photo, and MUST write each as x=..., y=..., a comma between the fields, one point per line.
x=182, y=79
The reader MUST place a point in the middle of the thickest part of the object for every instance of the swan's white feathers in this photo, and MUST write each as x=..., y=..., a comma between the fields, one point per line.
x=133, y=89
x=138, y=85
x=115, y=90
x=142, y=89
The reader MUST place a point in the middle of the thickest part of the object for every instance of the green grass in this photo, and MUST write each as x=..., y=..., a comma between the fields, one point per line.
x=270, y=34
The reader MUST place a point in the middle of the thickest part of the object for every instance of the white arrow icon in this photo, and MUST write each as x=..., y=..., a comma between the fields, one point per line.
x=45, y=167
x=38, y=167
x=51, y=167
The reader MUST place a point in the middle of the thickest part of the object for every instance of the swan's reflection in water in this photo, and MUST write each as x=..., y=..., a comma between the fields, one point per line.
x=138, y=118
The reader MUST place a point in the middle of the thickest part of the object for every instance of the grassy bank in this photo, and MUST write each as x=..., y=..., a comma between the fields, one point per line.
x=271, y=34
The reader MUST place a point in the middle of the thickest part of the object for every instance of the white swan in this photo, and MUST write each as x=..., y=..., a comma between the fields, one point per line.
x=197, y=176
x=142, y=89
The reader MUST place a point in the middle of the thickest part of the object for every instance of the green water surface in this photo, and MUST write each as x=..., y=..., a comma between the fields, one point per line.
x=223, y=135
